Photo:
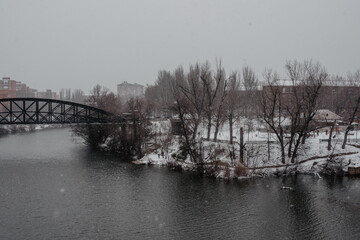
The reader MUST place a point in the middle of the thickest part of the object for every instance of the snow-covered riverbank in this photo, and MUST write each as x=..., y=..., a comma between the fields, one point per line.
x=261, y=158
x=11, y=129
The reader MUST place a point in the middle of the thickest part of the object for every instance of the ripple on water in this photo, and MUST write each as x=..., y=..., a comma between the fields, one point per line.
x=55, y=188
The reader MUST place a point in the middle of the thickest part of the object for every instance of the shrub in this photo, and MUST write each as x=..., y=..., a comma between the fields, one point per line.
x=227, y=173
x=240, y=170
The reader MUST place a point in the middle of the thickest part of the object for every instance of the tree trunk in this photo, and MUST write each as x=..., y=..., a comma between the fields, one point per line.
x=208, y=129
x=185, y=132
x=294, y=153
x=282, y=153
x=330, y=136
x=196, y=125
x=296, y=146
x=290, y=146
x=216, y=131
x=304, y=138
x=345, y=137
x=282, y=145
x=217, y=125
x=351, y=121
x=268, y=144
x=231, y=130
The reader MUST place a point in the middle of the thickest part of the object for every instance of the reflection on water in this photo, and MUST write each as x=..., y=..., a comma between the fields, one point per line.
x=54, y=187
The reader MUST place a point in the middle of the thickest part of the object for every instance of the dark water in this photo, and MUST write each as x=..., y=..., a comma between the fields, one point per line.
x=54, y=187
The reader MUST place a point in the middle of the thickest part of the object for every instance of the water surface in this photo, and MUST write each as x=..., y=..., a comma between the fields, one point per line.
x=53, y=187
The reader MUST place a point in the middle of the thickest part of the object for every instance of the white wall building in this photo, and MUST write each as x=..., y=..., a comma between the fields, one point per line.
x=127, y=90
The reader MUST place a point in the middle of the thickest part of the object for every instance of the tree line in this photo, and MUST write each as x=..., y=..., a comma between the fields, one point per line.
x=207, y=97
x=202, y=95
x=127, y=139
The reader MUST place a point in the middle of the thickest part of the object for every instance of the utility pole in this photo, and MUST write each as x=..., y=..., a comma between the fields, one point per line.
x=241, y=145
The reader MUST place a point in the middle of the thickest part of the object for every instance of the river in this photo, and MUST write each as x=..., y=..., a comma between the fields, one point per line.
x=54, y=187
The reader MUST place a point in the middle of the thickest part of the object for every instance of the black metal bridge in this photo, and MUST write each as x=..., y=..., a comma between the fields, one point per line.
x=50, y=111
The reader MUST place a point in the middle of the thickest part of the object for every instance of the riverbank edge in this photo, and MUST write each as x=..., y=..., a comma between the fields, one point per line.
x=23, y=128
x=232, y=173
x=334, y=163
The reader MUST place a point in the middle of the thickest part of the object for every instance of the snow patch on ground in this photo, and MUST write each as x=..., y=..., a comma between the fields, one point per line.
x=261, y=158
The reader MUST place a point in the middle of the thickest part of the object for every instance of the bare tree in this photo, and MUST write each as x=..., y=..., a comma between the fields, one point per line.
x=185, y=111
x=332, y=126
x=295, y=103
x=103, y=98
x=219, y=98
x=210, y=91
x=354, y=78
x=193, y=91
x=164, y=84
x=250, y=82
x=151, y=95
x=78, y=96
x=160, y=94
x=351, y=119
x=232, y=102
x=272, y=108
x=140, y=127
x=351, y=109
x=306, y=80
x=96, y=135
x=219, y=115
x=214, y=91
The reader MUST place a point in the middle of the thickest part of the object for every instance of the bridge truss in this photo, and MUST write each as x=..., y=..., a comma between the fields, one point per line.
x=48, y=111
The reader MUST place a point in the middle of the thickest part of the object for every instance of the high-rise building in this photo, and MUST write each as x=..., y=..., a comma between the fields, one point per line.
x=10, y=89
x=128, y=90
x=7, y=88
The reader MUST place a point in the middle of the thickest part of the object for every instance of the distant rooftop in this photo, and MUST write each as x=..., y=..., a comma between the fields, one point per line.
x=125, y=83
x=330, y=82
x=326, y=115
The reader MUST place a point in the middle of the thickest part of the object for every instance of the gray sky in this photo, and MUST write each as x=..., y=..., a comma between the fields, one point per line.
x=79, y=43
